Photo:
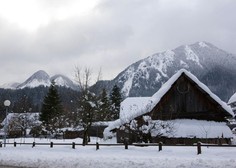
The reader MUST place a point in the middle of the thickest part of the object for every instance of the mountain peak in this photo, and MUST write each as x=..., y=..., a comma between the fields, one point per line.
x=39, y=78
x=61, y=80
x=202, y=44
x=41, y=74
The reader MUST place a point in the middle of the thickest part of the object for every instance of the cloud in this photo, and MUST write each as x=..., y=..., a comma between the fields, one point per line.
x=111, y=34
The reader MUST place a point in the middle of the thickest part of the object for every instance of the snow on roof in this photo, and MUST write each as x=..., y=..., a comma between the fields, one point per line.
x=130, y=108
x=115, y=124
x=232, y=99
x=134, y=107
x=199, y=129
x=29, y=116
x=186, y=128
x=101, y=123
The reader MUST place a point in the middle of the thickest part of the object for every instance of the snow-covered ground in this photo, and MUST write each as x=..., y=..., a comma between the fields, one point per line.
x=114, y=156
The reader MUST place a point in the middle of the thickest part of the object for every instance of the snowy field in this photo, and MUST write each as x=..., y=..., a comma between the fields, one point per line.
x=114, y=156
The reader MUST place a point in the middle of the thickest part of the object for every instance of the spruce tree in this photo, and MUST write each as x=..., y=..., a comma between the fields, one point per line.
x=52, y=110
x=115, y=98
x=104, y=112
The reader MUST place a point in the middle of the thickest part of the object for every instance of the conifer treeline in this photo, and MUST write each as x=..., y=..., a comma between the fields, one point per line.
x=91, y=108
x=31, y=100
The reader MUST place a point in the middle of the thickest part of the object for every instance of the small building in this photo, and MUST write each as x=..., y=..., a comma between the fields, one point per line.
x=182, y=111
x=20, y=124
x=96, y=130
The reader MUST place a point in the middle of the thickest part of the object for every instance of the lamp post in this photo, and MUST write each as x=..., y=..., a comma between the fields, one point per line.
x=7, y=103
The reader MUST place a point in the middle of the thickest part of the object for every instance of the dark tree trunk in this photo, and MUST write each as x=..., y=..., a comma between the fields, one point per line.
x=85, y=137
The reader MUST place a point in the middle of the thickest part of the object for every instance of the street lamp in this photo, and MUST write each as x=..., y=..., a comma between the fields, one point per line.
x=7, y=103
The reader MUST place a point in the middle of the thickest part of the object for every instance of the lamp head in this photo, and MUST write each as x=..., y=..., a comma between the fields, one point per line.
x=7, y=103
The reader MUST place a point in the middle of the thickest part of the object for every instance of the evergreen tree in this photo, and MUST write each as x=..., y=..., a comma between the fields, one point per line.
x=115, y=98
x=104, y=107
x=52, y=110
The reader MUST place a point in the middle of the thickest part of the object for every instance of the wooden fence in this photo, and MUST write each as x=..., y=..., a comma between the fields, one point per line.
x=159, y=145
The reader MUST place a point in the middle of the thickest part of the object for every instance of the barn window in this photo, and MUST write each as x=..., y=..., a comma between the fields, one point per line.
x=183, y=88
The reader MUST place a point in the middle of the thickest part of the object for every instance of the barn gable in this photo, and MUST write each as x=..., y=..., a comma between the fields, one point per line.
x=182, y=82
x=187, y=99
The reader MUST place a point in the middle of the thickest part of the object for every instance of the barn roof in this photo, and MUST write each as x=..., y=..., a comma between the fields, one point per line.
x=163, y=90
x=132, y=107
x=29, y=116
x=192, y=128
x=149, y=103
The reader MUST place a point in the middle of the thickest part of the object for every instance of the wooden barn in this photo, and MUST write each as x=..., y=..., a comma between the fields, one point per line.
x=183, y=111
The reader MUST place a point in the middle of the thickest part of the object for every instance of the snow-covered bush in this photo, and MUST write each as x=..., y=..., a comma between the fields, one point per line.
x=146, y=128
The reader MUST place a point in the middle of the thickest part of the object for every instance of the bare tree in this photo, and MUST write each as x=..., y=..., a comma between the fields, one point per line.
x=88, y=102
x=83, y=78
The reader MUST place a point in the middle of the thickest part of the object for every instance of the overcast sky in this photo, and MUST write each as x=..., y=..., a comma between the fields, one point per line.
x=57, y=35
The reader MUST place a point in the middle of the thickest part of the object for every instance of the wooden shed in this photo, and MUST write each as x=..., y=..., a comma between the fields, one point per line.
x=184, y=101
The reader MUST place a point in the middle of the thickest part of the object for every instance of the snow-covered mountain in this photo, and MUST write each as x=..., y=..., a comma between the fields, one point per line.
x=41, y=78
x=61, y=80
x=214, y=67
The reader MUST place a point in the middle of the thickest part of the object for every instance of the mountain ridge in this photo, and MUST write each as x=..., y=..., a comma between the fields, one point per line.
x=41, y=78
x=213, y=66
